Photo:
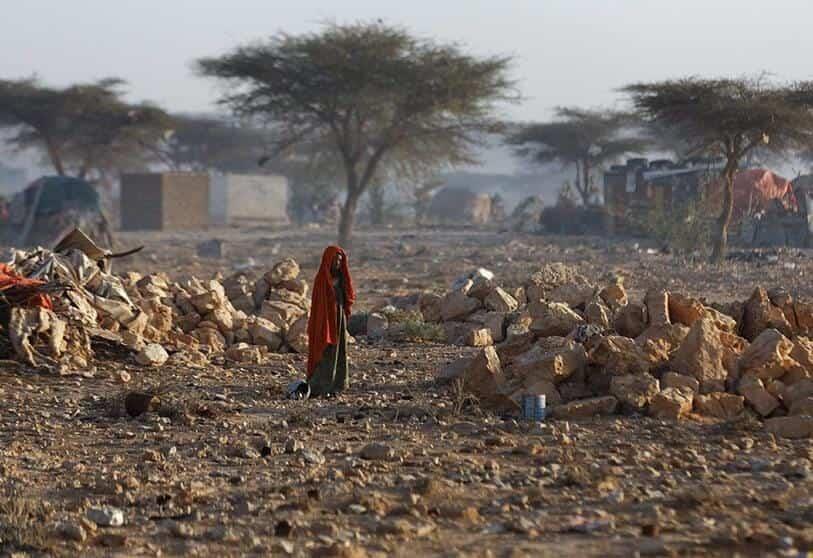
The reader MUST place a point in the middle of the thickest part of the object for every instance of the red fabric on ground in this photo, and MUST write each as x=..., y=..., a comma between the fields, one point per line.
x=322, y=324
x=22, y=291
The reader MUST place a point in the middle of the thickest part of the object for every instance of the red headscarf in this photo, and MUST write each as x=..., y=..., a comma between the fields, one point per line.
x=323, y=321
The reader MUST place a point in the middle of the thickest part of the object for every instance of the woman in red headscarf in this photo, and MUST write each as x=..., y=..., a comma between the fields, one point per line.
x=332, y=298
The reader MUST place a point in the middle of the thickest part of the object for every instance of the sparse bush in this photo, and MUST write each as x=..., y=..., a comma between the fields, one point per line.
x=683, y=228
x=410, y=326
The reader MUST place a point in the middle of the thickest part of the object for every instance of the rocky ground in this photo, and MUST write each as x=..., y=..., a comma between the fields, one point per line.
x=223, y=465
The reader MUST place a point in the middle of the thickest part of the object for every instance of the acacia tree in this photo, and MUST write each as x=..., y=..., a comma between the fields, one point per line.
x=730, y=118
x=586, y=139
x=372, y=91
x=82, y=127
x=210, y=142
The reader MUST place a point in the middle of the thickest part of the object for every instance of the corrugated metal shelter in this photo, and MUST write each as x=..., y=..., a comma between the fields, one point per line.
x=164, y=201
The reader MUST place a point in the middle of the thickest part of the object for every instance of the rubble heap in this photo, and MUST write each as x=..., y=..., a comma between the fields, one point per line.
x=478, y=312
x=592, y=351
x=187, y=321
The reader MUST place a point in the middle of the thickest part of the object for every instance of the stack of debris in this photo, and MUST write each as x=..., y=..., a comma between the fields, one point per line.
x=592, y=351
x=475, y=312
x=478, y=312
x=191, y=319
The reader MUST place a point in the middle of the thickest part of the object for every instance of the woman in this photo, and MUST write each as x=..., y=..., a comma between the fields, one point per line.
x=332, y=298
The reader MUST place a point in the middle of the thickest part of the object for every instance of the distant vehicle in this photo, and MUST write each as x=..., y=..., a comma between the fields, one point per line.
x=52, y=206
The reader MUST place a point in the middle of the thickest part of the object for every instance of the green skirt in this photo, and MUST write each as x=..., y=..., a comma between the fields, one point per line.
x=330, y=375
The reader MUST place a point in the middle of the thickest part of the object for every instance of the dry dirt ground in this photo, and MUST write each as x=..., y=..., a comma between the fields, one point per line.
x=223, y=465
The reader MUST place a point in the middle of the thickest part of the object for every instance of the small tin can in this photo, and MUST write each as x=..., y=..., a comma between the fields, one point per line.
x=533, y=407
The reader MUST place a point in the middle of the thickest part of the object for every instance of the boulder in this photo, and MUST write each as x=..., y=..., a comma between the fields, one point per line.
x=797, y=426
x=630, y=320
x=680, y=381
x=479, y=338
x=760, y=314
x=549, y=364
x=152, y=355
x=288, y=297
x=804, y=316
x=684, y=310
x=297, y=335
x=619, y=356
x=573, y=294
x=280, y=314
x=768, y=356
x=481, y=287
x=466, y=281
x=297, y=286
x=634, y=391
x=783, y=300
x=265, y=333
x=701, y=356
x=671, y=403
x=286, y=270
x=657, y=307
x=222, y=318
x=803, y=352
x=660, y=342
x=614, y=296
x=208, y=301
x=719, y=405
x=430, y=305
x=457, y=306
x=553, y=319
x=495, y=323
x=758, y=396
x=549, y=277
x=797, y=391
x=500, y=301
x=585, y=408
x=484, y=379
x=210, y=337
x=723, y=322
x=244, y=354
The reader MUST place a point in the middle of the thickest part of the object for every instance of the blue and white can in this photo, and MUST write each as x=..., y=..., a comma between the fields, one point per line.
x=533, y=407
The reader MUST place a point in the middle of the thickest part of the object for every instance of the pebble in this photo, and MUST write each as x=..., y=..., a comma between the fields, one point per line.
x=377, y=452
x=106, y=517
x=313, y=457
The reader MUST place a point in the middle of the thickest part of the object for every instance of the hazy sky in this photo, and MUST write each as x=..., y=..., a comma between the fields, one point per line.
x=568, y=52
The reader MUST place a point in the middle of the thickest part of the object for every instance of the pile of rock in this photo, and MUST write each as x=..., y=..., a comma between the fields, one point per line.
x=475, y=312
x=478, y=312
x=186, y=322
x=236, y=318
x=592, y=351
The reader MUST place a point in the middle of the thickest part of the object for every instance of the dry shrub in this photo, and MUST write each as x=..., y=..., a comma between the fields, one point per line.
x=23, y=522
x=410, y=326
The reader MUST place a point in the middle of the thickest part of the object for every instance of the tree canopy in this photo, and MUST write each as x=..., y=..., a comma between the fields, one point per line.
x=212, y=142
x=371, y=91
x=80, y=128
x=729, y=118
x=587, y=139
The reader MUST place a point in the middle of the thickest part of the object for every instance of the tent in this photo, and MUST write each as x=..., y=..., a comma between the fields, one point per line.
x=756, y=190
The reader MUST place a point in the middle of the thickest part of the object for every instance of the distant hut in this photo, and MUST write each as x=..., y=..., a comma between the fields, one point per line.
x=459, y=205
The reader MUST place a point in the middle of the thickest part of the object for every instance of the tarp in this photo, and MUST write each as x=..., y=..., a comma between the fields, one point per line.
x=756, y=190
x=59, y=191
x=18, y=290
